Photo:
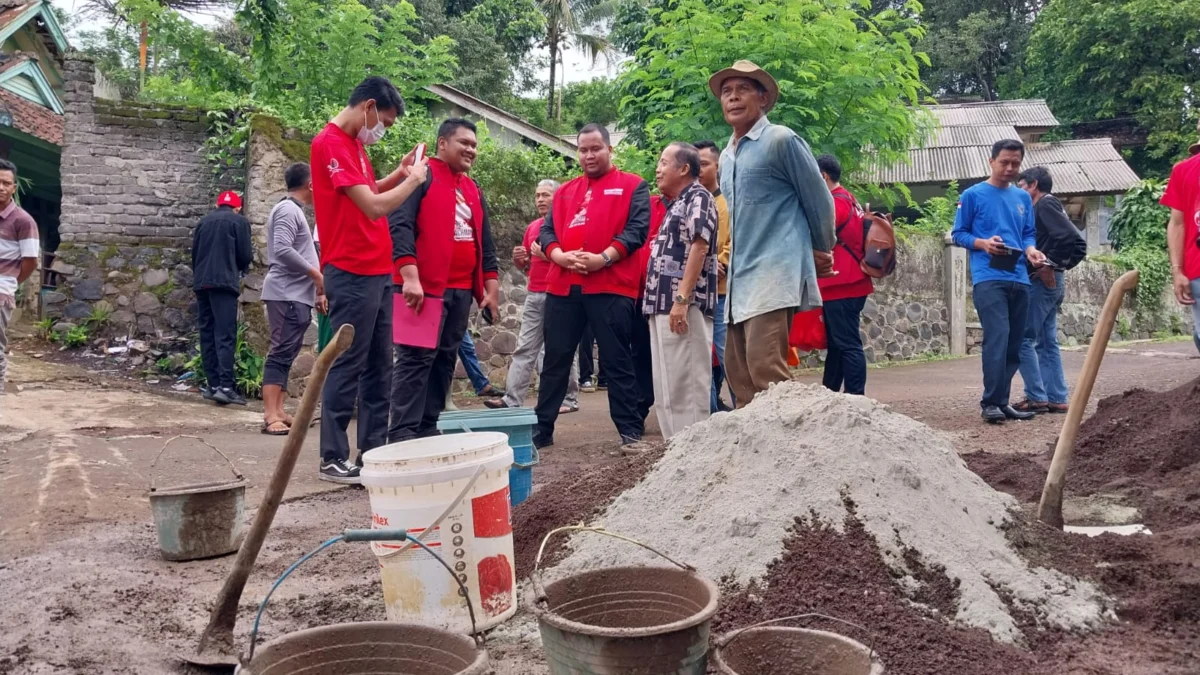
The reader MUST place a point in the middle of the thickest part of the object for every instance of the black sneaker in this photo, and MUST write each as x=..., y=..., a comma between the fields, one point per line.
x=337, y=472
x=1014, y=414
x=540, y=441
x=206, y=393
x=992, y=414
x=227, y=396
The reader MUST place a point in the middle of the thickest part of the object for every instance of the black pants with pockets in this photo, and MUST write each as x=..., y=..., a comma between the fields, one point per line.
x=362, y=373
x=611, y=318
x=422, y=377
x=289, y=321
x=216, y=316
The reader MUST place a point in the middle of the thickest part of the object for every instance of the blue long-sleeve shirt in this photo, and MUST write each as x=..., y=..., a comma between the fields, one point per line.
x=985, y=211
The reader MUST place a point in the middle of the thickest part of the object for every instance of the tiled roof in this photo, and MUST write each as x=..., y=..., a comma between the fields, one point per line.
x=33, y=119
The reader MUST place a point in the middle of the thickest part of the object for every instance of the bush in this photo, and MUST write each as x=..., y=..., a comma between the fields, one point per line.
x=247, y=367
x=1139, y=234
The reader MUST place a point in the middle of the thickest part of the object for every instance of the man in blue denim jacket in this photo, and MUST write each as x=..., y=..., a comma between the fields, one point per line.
x=781, y=225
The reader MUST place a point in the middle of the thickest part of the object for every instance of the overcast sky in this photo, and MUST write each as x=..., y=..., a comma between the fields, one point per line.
x=578, y=66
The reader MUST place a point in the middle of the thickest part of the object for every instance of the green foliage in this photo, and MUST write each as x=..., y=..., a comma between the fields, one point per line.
x=592, y=101
x=1115, y=59
x=247, y=366
x=1138, y=231
x=43, y=329
x=75, y=337
x=937, y=213
x=99, y=318
x=975, y=47
x=847, y=82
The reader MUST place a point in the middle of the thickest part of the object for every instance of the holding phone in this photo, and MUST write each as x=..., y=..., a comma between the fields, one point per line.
x=418, y=153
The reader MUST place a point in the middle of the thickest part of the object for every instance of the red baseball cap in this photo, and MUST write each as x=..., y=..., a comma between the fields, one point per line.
x=229, y=198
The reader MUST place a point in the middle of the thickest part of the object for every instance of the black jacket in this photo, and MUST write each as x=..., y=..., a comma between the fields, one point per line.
x=221, y=251
x=1057, y=236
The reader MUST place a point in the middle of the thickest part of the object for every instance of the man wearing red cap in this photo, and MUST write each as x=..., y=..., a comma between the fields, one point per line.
x=221, y=255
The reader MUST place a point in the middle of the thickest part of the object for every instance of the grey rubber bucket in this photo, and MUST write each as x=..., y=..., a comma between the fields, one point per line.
x=626, y=620
x=369, y=648
x=779, y=650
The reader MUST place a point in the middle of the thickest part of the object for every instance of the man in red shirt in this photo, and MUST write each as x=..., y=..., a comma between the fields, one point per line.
x=845, y=293
x=1183, y=233
x=595, y=225
x=443, y=248
x=356, y=261
x=528, y=256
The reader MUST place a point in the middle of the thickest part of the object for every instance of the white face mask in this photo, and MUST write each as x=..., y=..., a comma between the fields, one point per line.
x=372, y=135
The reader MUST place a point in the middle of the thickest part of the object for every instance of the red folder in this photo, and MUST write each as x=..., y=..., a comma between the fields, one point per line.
x=416, y=330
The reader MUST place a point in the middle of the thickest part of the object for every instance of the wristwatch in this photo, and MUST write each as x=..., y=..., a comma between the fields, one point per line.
x=682, y=300
x=607, y=260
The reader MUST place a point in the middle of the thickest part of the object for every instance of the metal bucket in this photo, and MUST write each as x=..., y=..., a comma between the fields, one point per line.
x=200, y=520
x=776, y=650
x=626, y=620
x=372, y=647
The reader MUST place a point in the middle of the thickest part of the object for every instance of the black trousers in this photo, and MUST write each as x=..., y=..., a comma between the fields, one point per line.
x=289, y=321
x=845, y=362
x=611, y=318
x=587, y=364
x=643, y=364
x=421, y=378
x=362, y=373
x=216, y=315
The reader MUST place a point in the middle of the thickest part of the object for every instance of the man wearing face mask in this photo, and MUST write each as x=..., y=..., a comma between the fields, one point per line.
x=443, y=248
x=356, y=262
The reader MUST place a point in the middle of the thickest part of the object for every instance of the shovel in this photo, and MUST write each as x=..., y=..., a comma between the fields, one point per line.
x=216, y=643
x=1050, y=509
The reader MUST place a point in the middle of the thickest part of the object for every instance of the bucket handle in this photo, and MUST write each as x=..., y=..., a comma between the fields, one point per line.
x=535, y=577
x=725, y=640
x=194, y=438
x=350, y=535
x=437, y=521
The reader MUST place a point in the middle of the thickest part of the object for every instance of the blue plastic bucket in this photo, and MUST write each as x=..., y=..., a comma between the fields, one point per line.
x=517, y=424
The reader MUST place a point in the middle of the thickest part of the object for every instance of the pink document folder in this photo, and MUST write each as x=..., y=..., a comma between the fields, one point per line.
x=416, y=330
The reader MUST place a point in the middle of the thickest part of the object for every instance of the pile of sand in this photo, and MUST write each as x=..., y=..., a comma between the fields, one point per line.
x=726, y=491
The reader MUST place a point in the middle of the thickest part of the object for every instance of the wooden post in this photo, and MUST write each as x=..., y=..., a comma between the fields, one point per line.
x=1050, y=508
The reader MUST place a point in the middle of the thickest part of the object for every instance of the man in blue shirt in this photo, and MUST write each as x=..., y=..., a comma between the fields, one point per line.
x=995, y=221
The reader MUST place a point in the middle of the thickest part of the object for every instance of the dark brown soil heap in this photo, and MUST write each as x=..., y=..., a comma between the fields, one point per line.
x=1143, y=444
x=571, y=500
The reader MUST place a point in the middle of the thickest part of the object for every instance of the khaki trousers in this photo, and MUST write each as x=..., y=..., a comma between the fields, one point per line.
x=682, y=371
x=756, y=354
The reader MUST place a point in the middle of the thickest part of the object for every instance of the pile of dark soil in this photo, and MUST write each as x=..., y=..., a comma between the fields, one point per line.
x=570, y=500
x=1142, y=444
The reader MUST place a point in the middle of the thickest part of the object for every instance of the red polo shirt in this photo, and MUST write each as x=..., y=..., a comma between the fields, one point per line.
x=1183, y=194
x=350, y=241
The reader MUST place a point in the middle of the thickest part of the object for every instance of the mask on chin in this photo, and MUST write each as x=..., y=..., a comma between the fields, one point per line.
x=370, y=135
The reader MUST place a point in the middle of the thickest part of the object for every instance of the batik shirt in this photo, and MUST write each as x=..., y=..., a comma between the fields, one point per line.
x=693, y=215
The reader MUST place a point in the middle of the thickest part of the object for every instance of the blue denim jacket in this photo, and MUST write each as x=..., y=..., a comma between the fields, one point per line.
x=779, y=210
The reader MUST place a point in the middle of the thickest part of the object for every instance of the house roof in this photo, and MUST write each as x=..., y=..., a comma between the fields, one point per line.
x=492, y=114
x=21, y=75
x=32, y=118
x=16, y=13
x=960, y=146
x=1022, y=114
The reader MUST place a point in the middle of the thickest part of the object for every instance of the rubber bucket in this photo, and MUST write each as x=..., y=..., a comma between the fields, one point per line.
x=778, y=650
x=367, y=649
x=626, y=621
x=517, y=424
x=451, y=492
x=201, y=520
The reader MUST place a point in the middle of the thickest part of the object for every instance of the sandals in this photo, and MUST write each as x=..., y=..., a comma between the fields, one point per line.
x=564, y=409
x=276, y=428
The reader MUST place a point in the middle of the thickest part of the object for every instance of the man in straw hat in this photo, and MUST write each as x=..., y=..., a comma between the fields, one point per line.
x=780, y=216
x=1183, y=232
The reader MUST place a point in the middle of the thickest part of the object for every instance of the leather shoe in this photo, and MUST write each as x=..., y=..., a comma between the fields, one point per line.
x=1013, y=414
x=993, y=414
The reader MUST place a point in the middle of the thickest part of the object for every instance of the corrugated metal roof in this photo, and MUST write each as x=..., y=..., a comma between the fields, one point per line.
x=505, y=119
x=1087, y=166
x=1029, y=113
x=957, y=137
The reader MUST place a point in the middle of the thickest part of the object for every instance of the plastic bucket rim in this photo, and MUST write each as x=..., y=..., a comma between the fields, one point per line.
x=544, y=614
x=720, y=645
x=432, y=476
x=477, y=667
x=482, y=444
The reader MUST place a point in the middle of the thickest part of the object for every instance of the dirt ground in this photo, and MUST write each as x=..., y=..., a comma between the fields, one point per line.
x=88, y=592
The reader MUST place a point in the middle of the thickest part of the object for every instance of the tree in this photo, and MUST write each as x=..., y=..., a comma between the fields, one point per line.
x=1116, y=59
x=592, y=101
x=975, y=47
x=571, y=22
x=847, y=82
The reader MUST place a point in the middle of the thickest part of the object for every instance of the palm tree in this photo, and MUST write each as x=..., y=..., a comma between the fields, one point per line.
x=568, y=22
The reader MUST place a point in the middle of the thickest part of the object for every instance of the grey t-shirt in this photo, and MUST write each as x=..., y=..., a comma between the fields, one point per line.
x=290, y=254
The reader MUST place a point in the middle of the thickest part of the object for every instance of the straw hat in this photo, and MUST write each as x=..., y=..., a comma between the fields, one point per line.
x=750, y=70
x=1195, y=147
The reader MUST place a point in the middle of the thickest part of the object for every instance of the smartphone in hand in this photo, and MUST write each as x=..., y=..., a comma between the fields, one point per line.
x=419, y=153
x=487, y=316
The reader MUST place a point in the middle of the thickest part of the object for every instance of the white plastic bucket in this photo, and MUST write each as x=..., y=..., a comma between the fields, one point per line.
x=455, y=486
